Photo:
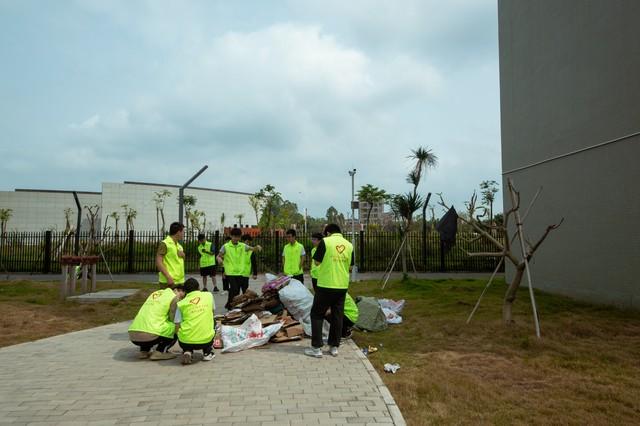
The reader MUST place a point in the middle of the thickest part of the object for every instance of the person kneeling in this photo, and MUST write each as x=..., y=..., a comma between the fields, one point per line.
x=194, y=322
x=152, y=325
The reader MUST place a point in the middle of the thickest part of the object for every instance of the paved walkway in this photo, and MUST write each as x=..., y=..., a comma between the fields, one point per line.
x=94, y=377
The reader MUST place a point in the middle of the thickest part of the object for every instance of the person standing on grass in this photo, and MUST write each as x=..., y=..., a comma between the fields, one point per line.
x=315, y=240
x=334, y=255
x=293, y=255
x=207, y=262
x=170, y=257
x=232, y=256
x=250, y=265
x=194, y=322
x=153, y=324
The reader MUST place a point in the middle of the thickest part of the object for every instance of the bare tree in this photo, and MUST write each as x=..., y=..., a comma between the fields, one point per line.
x=129, y=214
x=222, y=219
x=256, y=202
x=116, y=217
x=504, y=249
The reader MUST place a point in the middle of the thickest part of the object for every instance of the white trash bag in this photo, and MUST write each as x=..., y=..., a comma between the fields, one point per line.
x=298, y=300
x=249, y=335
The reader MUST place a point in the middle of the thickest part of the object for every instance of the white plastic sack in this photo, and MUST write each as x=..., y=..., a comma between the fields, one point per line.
x=249, y=335
x=395, y=306
x=298, y=300
x=391, y=316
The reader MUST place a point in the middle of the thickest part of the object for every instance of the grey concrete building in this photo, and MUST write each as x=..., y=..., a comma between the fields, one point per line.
x=570, y=117
x=39, y=210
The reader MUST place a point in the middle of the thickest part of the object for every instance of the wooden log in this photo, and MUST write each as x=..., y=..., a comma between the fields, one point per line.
x=73, y=281
x=63, y=282
x=85, y=271
x=93, y=278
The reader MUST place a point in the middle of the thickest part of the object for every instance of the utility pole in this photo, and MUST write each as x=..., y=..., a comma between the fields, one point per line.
x=354, y=273
x=181, y=193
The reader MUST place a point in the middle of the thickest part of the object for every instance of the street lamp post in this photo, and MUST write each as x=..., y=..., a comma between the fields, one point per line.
x=354, y=273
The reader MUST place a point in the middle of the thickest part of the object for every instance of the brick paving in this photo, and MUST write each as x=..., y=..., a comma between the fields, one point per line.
x=94, y=377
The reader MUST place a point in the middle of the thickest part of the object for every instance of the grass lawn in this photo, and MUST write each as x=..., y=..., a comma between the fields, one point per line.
x=584, y=370
x=32, y=310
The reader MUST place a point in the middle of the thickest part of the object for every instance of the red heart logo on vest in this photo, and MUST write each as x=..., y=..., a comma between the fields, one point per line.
x=194, y=301
x=340, y=248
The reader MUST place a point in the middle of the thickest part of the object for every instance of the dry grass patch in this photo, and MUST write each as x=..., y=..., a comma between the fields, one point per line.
x=32, y=310
x=584, y=370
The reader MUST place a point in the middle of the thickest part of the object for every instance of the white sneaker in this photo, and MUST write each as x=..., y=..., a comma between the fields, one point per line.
x=314, y=352
x=209, y=357
x=333, y=351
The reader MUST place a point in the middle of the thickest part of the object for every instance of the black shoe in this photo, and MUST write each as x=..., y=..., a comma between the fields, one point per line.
x=205, y=289
x=215, y=289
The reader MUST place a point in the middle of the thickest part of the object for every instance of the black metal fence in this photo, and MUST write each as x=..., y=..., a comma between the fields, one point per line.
x=40, y=252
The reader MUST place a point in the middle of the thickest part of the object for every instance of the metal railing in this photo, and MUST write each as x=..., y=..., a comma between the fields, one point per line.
x=133, y=252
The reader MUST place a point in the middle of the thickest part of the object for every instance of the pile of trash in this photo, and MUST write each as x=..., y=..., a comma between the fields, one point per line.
x=376, y=314
x=281, y=314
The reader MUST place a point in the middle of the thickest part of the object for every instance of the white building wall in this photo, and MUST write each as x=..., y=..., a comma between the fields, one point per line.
x=43, y=210
x=140, y=197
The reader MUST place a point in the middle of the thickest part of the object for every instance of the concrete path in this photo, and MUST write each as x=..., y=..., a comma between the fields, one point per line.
x=94, y=377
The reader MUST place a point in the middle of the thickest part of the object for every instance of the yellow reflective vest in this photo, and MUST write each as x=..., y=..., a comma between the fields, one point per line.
x=153, y=316
x=197, y=318
x=173, y=262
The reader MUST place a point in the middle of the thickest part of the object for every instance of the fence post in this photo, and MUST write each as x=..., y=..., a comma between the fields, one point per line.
x=131, y=252
x=424, y=245
x=361, y=252
x=442, y=265
x=46, y=266
x=275, y=251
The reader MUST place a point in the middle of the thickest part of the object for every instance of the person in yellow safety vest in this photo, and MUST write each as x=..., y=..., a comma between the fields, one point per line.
x=232, y=256
x=194, y=322
x=334, y=255
x=250, y=265
x=153, y=324
x=207, y=262
x=351, y=314
x=315, y=240
x=293, y=255
x=170, y=257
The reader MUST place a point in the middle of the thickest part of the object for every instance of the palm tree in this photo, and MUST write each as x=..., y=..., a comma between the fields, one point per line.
x=5, y=215
x=159, y=199
x=255, y=201
x=189, y=201
x=371, y=195
x=116, y=217
x=239, y=216
x=405, y=205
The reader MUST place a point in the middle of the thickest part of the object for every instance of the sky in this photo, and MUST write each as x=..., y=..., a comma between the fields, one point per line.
x=289, y=93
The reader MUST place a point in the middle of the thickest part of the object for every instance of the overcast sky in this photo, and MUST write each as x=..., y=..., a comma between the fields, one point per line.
x=289, y=93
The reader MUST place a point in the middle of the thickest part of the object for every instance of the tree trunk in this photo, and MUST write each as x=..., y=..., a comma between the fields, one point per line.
x=163, y=223
x=510, y=295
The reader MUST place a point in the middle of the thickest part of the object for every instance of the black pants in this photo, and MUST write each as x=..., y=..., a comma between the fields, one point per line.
x=164, y=343
x=225, y=281
x=324, y=299
x=245, y=285
x=347, y=325
x=235, y=285
x=299, y=278
x=206, y=348
x=314, y=283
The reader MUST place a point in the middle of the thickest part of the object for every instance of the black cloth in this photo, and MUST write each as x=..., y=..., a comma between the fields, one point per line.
x=347, y=325
x=314, y=283
x=322, y=249
x=236, y=283
x=208, y=271
x=244, y=286
x=206, y=348
x=164, y=343
x=327, y=298
x=225, y=281
x=447, y=227
x=254, y=264
x=299, y=278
